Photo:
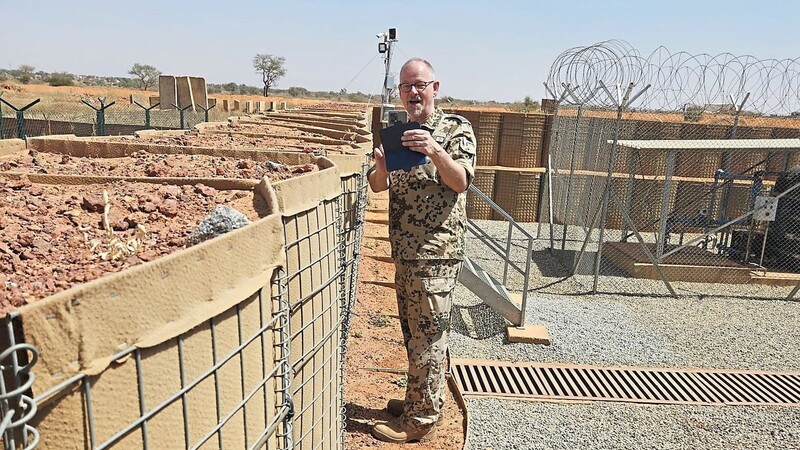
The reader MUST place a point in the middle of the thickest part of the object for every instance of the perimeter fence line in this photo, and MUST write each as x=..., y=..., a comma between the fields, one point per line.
x=642, y=199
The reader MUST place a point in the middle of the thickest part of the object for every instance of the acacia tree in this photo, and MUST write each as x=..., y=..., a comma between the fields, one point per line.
x=25, y=73
x=271, y=69
x=146, y=75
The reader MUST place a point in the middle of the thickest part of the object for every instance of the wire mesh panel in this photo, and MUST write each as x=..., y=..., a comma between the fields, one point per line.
x=671, y=212
x=484, y=180
x=353, y=207
x=215, y=386
x=314, y=278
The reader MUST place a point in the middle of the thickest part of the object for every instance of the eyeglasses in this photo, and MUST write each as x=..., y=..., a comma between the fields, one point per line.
x=421, y=86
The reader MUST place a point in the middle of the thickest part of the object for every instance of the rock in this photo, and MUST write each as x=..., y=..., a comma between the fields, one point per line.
x=222, y=219
x=206, y=191
x=93, y=203
x=169, y=191
x=119, y=221
x=26, y=239
x=245, y=164
x=148, y=207
x=169, y=208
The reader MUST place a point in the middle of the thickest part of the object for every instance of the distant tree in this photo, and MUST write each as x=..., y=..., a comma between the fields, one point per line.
x=295, y=91
x=527, y=105
x=230, y=88
x=128, y=83
x=248, y=90
x=271, y=69
x=61, y=79
x=25, y=73
x=146, y=75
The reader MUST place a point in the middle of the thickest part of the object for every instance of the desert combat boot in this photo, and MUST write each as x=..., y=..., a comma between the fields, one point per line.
x=399, y=430
x=395, y=407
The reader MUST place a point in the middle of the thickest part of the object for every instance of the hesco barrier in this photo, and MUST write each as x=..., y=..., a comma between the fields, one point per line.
x=237, y=342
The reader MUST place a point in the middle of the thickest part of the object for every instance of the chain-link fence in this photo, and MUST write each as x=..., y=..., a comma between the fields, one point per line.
x=23, y=116
x=665, y=202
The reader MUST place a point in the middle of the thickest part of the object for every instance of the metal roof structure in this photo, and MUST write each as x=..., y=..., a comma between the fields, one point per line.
x=780, y=145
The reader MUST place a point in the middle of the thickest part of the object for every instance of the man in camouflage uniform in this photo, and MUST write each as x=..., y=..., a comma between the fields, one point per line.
x=427, y=222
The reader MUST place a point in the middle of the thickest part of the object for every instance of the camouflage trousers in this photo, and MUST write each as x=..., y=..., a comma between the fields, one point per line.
x=424, y=298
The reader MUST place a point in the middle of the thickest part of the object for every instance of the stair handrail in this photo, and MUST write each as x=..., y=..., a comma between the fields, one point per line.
x=490, y=242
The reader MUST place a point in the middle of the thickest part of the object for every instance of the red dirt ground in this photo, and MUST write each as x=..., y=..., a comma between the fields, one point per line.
x=48, y=232
x=144, y=164
x=233, y=140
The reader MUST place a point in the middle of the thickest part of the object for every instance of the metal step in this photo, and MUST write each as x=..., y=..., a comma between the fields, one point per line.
x=491, y=291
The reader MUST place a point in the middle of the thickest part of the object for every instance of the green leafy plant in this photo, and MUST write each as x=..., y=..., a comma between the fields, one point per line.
x=379, y=321
x=60, y=79
x=401, y=381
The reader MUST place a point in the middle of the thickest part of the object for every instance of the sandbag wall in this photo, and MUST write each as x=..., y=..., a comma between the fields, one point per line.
x=511, y=161
x=180, y=352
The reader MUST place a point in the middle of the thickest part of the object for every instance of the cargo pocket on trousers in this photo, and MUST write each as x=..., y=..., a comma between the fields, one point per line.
x=435, y=316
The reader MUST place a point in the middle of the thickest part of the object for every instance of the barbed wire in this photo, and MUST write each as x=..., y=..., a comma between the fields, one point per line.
x=676, y=80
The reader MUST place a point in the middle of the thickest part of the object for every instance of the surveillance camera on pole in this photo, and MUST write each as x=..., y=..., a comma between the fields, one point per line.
x=385, y=48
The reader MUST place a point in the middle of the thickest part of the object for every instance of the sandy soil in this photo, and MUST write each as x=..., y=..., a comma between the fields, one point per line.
x=71, y=96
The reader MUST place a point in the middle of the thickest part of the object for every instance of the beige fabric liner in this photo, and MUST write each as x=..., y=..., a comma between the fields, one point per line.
x=303, y=193
x=9, y=146
x=86, y=147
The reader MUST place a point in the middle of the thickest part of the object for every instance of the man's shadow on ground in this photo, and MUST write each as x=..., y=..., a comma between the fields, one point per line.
x=360, y=418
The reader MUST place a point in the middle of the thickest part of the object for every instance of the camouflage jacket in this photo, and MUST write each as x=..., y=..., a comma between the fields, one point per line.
x=427, y=219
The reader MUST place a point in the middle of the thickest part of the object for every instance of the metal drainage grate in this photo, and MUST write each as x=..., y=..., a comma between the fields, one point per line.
x=640, y=385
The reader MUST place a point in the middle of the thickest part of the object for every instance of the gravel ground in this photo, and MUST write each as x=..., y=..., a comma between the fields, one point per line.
x=634, y=323
x=616, y=426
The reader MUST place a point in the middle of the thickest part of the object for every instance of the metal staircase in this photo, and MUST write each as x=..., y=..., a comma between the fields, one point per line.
x=493, y=292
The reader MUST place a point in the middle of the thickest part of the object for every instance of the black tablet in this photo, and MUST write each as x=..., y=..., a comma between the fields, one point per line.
x=398, y=156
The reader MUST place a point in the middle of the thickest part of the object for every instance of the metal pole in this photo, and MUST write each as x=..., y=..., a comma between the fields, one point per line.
x=146, y=113
x=662, y=227
x=385, y=96
x=21, y=124
x=571, y=171
x=387, y=90
x=180, y=113
x=606, y=192
x=206, y=110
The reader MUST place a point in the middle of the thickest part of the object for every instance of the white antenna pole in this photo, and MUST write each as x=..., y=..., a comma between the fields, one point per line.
x=389, y=38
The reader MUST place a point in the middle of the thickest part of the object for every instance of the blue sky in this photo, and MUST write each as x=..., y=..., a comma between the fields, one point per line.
x=483, y=50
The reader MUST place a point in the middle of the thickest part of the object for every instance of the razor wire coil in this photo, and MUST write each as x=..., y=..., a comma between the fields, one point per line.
x=677, y=80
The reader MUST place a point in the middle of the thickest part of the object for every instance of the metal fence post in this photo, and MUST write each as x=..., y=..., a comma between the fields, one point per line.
x=180, y=113
x=206, y=110
x=21, y=116
x=101, y=115
x=146, y=113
